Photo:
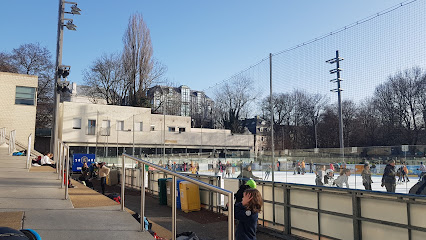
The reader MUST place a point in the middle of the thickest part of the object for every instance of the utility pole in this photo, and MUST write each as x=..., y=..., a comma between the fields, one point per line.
x=337, y=80
x=272, y=137
x=61, y=71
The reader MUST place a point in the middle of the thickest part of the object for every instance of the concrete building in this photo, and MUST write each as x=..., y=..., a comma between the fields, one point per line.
x=262, y=134
x=108, y=130
x=82, y=94
x=182, y=101
x=18, y=102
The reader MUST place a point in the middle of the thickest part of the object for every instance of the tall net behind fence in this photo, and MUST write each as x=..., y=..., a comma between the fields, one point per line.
x=382, y=85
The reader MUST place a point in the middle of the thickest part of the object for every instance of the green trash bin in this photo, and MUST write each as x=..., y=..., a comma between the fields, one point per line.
x=162, y=188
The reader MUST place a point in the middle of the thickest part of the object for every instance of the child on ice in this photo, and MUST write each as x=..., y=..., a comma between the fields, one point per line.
x=328, y=178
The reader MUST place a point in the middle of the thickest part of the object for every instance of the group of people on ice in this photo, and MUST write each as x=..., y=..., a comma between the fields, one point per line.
x=300, y=167
x=326, y=177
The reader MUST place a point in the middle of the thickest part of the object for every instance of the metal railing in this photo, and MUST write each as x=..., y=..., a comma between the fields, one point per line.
x=22, y=146
x=2, y=135
x=174, y=176
x=63, y=165
x=12, y=139
x=29, y=150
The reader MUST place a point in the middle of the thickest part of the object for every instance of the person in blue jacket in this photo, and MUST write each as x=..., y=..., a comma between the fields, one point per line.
x=247, y=213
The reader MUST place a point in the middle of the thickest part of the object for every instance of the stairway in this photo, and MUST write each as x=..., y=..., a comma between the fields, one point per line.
x=15, y=163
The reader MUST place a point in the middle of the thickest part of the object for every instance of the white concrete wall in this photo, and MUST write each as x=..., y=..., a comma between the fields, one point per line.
x=191, y=137
x=15, y=116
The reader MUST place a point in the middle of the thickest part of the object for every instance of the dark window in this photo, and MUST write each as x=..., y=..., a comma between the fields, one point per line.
x=181, y=130
x=91, y=127
x=25, y=95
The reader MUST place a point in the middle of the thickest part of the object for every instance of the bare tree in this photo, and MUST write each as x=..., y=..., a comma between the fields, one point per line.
x=6, y=65
x=141, y=69
x=368, y=124
x=36, y=60
x=232, y=102
x=400, y=102
x=105, y=78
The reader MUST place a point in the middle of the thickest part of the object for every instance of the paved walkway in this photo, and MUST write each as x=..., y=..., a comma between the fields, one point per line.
x=40, y=197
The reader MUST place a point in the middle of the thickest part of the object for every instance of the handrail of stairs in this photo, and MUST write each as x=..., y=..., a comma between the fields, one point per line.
x=23, y=147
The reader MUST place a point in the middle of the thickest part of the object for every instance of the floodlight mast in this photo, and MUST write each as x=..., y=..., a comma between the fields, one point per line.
x=337, y=80
x=64, y=70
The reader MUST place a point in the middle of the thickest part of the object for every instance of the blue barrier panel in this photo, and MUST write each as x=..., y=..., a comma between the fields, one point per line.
x=79, y=159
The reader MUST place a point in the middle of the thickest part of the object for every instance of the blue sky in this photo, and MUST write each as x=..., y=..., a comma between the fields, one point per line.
x=201, y=42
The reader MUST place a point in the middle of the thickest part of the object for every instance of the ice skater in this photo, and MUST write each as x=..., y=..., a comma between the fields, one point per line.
x=343, y=178
x=389, y=179
x=267, y=172
x=366, y=177
x=319, y=176
x=328, y=178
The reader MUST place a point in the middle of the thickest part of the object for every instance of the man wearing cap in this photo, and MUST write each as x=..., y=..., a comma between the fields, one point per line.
x=389, y=177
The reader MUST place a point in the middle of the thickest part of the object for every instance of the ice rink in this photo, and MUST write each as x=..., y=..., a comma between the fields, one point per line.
x=355, y=181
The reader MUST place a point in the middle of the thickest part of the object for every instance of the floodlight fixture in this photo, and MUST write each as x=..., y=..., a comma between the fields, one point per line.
x=334, y=60
x=70, y=25
x=332, y=71
x=75, y=10
x=63, y=86
x=64, y=71
x=336, y=79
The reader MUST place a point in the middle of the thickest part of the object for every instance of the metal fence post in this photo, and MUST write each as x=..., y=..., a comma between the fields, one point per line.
x=63, y=163
x=231, y=225
x=29, y=150
x=173, y=207
x=356, y=212
x=143, y=198
x=67, y=177
x=287, y=224
x=123, y=180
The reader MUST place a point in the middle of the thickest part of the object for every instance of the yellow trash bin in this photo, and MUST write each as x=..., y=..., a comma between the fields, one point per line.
x=189, y=196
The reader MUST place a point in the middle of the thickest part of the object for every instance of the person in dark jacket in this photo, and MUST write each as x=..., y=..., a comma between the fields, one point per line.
x=240, y=193
x=247, y=213
x=389, y=177
x=366, y=177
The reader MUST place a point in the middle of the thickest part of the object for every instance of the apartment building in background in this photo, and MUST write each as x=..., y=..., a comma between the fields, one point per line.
x=182, y=101
x=262, y=134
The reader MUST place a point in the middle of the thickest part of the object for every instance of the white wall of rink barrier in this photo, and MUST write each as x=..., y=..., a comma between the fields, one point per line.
x=317, y=212
x=209, y=199
x=332, y=213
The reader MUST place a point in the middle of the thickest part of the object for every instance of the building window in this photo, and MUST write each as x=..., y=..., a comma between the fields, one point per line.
x=76, y=123
x=139, y=126
x=181, y=130
x=120, y=125
x=172, y=129
x=25, y=95
x=91, y=127
x=105, y=127
x=152, y=128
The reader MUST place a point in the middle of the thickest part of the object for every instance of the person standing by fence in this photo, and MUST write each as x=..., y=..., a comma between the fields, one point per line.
x=103, y=173
x=389, y=177
x=366, y=177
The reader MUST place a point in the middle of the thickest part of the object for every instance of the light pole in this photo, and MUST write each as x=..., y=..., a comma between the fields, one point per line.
x=61, y=71
x=337, y=71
